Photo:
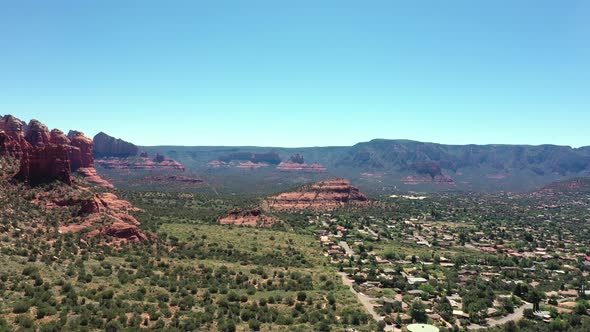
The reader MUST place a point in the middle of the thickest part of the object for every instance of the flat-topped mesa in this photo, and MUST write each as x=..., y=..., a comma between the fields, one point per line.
x=251, y=218
x=108, y=146
x=324, y=195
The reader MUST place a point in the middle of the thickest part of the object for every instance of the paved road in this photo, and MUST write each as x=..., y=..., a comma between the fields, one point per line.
x=365, y=300
x=517, y=315
x=346, y=248
x=372, y=232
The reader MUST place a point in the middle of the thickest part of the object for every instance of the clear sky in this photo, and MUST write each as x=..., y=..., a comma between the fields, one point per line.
x=300, y=73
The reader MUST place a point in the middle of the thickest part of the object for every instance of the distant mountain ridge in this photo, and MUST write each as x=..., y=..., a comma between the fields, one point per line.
x=413, y=165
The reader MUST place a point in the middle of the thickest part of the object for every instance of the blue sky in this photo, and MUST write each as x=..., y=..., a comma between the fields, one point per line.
x=301, y=73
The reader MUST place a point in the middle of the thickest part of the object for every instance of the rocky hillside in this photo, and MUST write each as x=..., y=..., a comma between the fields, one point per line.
x=55, y=175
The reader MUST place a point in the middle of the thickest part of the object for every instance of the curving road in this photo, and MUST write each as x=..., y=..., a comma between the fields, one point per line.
x=517, y=315
x=365, y=300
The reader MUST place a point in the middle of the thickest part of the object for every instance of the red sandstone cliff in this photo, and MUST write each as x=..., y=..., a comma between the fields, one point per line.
x=108, y=146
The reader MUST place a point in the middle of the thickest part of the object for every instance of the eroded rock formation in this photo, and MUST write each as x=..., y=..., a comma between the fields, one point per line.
x=82, y=150
x=49, y=156
x=12, y=137
x=108, y=146
x=106, y=214
x=45, y=164
x=324, y=195
x=37, y=134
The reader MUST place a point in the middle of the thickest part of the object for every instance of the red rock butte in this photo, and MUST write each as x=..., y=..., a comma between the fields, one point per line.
x=320, y=196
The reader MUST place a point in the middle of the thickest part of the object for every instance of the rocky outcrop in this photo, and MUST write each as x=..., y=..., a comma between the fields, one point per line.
x=58, y=137
x=251, y=218
x=139, y=164
x=320, y=196
x=122, y=230
x=297, y=159
x=89, y=173
x=82, y=152
x=108, y=146
x=47, y=156
x=159, y=158
x=107, y=215
x=37, y=134
x=12, y=137
x=45, y=164
x=297, y=167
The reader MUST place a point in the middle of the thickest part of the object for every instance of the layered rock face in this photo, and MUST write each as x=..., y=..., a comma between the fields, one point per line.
x=105, y=206
x=217, y=164
x=300, y=167
x=12, y=137
x=125, y=231
x=44, y=164
x=82, y=155
x=37, y=134
x=140, y=164
x=320, y=196
x=251, y=218
x=46, y=156
x=58, y=137
x=108, y=146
